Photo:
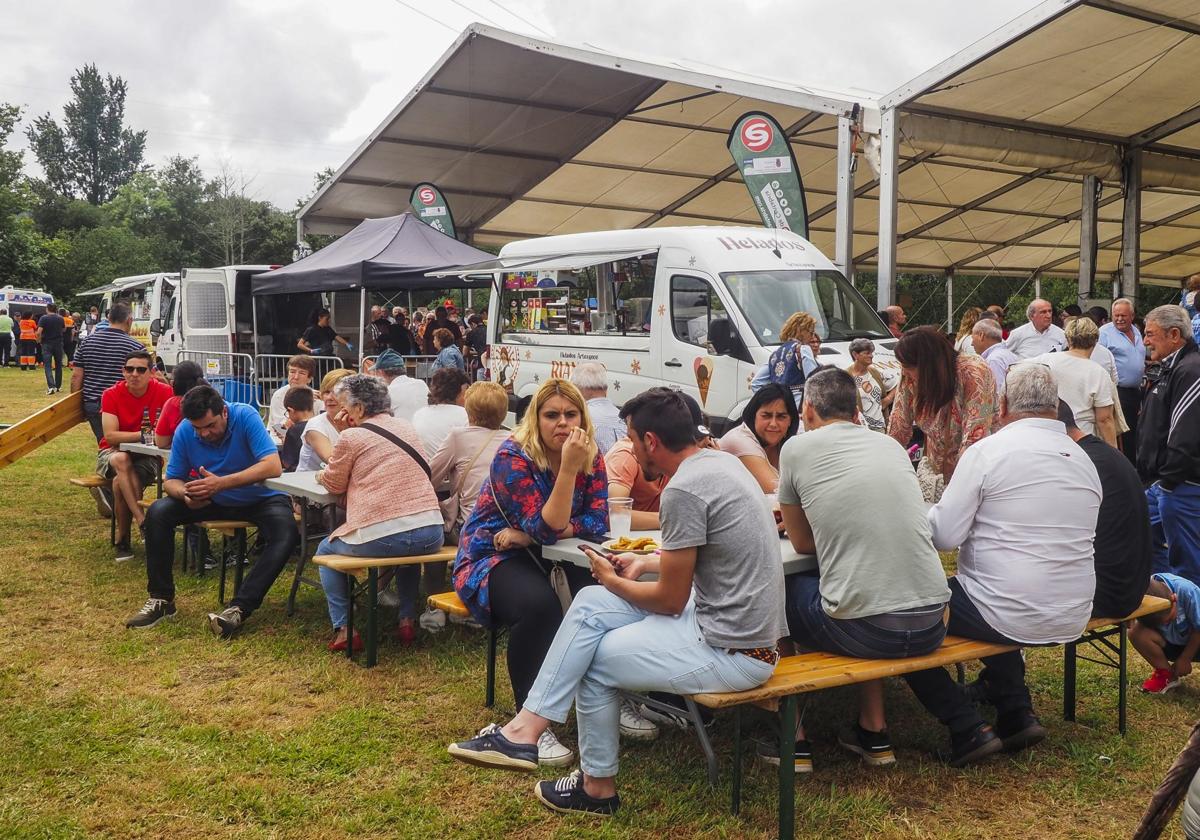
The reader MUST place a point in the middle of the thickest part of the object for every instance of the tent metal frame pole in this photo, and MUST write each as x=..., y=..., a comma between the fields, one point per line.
x=410, y=306
x=889, y=154
x=950, y=301
x=844, y=224
x=1087, y=237
x=362, y=326
x=1037, y=284
x=254, y=321
x=1131, y=224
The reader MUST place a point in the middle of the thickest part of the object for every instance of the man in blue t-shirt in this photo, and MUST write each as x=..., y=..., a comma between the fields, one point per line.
x=219, y=456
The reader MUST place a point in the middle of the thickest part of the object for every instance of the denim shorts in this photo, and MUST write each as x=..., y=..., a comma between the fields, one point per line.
x=896, y=635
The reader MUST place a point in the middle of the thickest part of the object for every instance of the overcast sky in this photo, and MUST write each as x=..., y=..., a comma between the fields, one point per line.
x=278, y=90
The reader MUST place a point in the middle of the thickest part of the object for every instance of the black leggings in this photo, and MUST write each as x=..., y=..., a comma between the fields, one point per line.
x=524, y=602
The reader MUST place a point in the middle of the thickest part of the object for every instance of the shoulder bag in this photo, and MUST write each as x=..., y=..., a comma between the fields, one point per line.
x=555, y=573
x=412, y=453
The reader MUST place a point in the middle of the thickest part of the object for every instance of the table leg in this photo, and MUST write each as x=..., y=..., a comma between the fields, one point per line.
x=350, y=584
x=736, y=787
x=1123, y=676
x=1069, y=680
x=372, y=616
x=302, y=559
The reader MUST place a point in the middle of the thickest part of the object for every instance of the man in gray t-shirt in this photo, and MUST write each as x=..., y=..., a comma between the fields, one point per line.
x=709, y=623
x=850, y=496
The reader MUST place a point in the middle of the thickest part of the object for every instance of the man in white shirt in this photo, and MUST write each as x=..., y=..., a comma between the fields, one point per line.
x=1040, y=335
x=591, y=378
x=988, y=340
x=1021, y=508
x=408, y=394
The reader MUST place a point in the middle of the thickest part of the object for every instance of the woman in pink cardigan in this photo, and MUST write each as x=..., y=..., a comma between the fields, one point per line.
x=391, y=507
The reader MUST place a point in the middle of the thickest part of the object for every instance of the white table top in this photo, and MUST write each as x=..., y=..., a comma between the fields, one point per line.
x=302, y=484
x=568, y=551
x=145, y=449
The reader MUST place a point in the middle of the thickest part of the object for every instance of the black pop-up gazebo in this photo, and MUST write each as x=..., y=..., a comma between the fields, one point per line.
x=388, y=254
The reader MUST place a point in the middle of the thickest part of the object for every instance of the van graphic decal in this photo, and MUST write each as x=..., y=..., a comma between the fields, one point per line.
x=505, y=364
x=703, y=367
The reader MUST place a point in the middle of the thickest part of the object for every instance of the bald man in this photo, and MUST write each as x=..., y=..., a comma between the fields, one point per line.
x=896, y=319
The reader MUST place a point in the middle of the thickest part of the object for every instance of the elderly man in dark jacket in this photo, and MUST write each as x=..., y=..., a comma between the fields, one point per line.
x=1168, y=456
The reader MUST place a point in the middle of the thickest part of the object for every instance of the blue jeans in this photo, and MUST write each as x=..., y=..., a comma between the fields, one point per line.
x=1175, y=529
x=605, y=644
x=423, y=540
x=52, y=351
x=896, y=635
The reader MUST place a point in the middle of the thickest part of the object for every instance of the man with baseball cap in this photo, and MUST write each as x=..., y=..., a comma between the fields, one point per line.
x=408, y=394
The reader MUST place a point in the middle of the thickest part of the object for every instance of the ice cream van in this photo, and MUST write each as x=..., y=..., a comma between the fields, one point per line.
x=694, y=308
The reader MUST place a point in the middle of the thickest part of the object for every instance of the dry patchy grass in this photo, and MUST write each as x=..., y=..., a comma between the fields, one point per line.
x=109, y=733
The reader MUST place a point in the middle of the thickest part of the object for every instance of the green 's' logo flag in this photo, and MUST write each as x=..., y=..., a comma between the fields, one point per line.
x=761, y=151
x=431, y=208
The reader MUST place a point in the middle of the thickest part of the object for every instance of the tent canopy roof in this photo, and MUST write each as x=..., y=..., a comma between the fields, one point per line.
x=388, y=253
x=532, y=138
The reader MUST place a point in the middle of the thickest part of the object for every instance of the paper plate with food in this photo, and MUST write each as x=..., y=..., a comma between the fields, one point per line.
x=632, y=545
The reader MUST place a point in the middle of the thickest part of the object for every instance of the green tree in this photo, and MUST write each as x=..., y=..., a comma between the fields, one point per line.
x=23, y=251
x=85, y=258
x=93, y=152
x=167, y=207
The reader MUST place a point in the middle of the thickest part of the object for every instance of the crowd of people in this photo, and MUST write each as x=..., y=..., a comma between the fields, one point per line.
x=1024, y=469
x=46, y=341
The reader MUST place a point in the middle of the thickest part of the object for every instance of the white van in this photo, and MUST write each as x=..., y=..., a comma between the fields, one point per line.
x=695, y=308
x=148, y=297
x=212, y=312
x=17, y=301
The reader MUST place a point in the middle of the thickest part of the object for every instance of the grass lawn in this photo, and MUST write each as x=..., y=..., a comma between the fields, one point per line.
x=106, y=732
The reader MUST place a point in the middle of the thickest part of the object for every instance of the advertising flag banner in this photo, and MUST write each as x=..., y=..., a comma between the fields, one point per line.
x=431, y=208
x=761, y=151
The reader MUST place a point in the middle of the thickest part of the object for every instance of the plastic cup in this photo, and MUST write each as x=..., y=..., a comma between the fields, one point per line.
x=620, y=516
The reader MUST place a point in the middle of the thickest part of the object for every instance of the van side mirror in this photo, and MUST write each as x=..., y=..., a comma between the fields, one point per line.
x=726, y=341
x=156, y=327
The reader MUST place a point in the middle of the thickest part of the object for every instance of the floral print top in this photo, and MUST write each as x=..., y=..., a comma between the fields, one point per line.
x=970, y=416
x=518, y=490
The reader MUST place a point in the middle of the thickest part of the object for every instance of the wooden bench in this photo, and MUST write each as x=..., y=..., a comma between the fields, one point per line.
x=354, y=566
x=95, y=482
x=450, y=603
x=814, y=671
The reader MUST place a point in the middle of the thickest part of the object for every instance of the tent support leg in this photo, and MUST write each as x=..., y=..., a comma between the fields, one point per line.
x=362, y=326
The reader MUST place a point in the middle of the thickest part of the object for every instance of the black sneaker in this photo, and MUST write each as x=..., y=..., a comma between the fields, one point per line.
x=226, y=622
x=875, y=748
x=1018, y=730
x=152, y=612
x=124, y=552
x=491, y=749
x=680, y=719
x=567, y=796
x=972, y=746
x=802, y=760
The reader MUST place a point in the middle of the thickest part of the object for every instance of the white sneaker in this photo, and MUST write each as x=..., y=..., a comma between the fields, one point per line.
x=432, y=620
x=551, y=753
x=634, y=724
x=389, y=598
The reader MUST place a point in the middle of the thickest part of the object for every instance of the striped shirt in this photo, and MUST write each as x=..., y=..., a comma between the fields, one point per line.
x=102, y=356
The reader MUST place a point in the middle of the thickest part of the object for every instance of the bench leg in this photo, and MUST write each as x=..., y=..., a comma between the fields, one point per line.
x=787, y=768
x=301, y=560
x=1069, y=680
x=1123, y=676
x=735, y=795
x=489, y=696
x=350, y=584
x=240, y=547
x=221, y=587
x=372, y=617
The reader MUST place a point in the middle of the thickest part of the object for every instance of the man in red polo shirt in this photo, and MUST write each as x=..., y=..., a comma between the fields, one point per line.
x=123, y=407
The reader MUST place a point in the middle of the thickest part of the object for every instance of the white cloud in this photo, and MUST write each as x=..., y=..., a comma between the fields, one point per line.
x=282, y=88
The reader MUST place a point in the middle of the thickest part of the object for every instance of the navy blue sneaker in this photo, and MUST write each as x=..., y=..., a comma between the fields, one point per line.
x=567, y=796
x=491, y=749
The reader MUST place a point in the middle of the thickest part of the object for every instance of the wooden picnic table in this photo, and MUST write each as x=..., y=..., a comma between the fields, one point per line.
x=302, y=485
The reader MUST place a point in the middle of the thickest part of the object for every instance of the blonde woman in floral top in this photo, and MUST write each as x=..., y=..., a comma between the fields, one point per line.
x=949, y=396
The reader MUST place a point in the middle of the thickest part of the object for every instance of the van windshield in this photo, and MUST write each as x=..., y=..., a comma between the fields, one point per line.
x=768, y=298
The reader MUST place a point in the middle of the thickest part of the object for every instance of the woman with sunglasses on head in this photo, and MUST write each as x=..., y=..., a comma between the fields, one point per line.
x=546, y=483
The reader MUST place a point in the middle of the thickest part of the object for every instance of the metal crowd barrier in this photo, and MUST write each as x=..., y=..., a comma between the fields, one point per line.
x=233, y=374
x=271, y=372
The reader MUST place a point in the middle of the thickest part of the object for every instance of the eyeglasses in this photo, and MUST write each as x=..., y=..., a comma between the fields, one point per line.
x=135, y=369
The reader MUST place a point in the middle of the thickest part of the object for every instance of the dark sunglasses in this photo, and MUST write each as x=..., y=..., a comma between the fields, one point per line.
x=135, y=369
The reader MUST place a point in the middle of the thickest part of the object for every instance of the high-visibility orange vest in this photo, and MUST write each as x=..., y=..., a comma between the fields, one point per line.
x=28, y=330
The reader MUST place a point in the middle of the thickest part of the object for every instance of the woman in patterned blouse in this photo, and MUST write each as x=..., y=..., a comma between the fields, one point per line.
x=547, y=483
x=949, y=396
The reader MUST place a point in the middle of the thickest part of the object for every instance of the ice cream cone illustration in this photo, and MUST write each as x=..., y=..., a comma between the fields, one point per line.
x=704, y=368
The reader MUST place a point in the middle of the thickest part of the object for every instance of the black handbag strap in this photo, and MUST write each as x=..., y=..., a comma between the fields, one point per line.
x=412, y=453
